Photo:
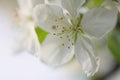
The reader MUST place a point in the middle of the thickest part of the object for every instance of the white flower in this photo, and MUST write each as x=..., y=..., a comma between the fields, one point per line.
x=70, y=32
x=26, y=36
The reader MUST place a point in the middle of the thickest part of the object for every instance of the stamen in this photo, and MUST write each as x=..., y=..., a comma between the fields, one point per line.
x=61, y=37
x=67, y=36
x=54, y=34
x=54, y=27
x=62, y=31
x=63, y=28
x=68, y=47
x=72, y=31
x=61, y=18
x=63, y=44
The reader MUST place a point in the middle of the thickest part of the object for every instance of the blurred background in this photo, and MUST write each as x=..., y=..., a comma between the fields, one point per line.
x=25, y=66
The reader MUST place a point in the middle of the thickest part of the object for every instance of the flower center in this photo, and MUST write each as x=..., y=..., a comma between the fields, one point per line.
x=70, y=33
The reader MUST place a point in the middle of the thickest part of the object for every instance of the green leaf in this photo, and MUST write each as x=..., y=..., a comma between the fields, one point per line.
x=41, y=34
x=89, y=4
x=93, y=3
x=98, y=3
x=114, y=44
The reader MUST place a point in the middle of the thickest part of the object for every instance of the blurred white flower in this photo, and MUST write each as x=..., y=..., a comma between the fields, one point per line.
x=25, y=30
x=71, y=32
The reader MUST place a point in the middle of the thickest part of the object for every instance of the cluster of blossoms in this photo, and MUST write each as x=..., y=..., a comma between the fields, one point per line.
x=71, y=28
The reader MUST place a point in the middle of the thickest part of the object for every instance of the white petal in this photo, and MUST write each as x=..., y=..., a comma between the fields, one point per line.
x=85, y=53
x=49, y=16
x=36, y=2
x=99, y=21
x=26, y=38
x=72, y=6
x=56, y=51
x=26, y=6
x=55, y=2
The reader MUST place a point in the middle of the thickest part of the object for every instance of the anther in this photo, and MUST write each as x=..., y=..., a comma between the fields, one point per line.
x=61, y=37
x=54, y=27
x=68, y=47
x=63, y=27
x=54, y=34
x=61, y=18
x=63, y=44
x=62, y=31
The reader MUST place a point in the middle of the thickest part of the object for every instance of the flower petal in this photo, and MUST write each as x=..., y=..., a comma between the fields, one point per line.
x=26, y=38
x=36, y=2
x=48, y=17
x=56, y=51
x=72, y=6
x=99, y=21
x=85, y=54
x=25, y=7
x=55, y=2
x=25, y=4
